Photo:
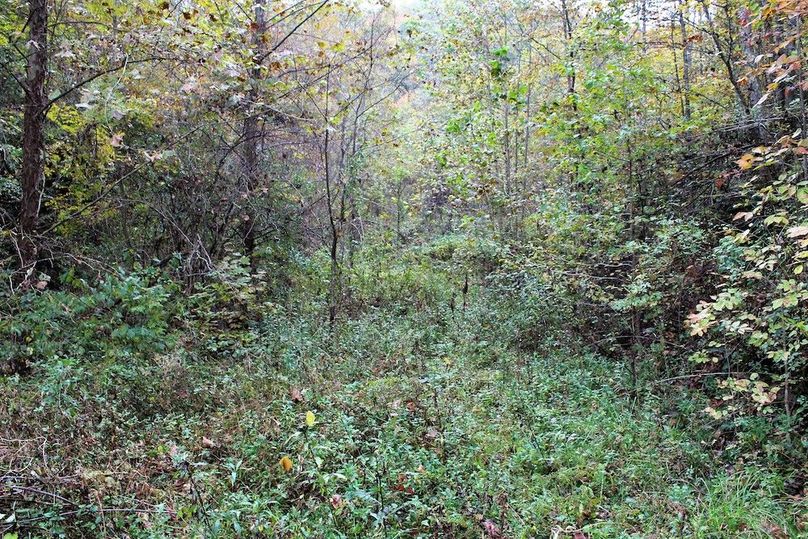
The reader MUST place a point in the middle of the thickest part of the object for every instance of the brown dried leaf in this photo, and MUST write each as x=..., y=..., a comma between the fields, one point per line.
x=296, y=395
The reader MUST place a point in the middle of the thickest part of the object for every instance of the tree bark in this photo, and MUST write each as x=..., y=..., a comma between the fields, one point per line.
x=33, y=143
x=252, y=138
x=686, y=62
x=566, y=21
x=334, y=289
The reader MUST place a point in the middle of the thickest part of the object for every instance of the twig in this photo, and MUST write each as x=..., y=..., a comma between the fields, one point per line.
x=43, y=493
x=697, y=375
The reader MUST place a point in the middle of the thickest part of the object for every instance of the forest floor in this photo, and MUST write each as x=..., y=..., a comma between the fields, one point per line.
x=395, y=426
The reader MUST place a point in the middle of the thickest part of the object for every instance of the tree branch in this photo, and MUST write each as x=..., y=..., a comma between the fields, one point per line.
x=292, y=32
x=100, y=74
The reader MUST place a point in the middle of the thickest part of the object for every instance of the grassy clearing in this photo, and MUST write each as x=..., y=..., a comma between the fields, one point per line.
x=424, y=426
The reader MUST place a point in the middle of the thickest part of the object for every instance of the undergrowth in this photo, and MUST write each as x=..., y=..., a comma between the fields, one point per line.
x=429, y=423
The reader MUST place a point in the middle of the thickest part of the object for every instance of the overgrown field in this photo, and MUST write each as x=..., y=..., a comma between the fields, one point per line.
x=399, y=423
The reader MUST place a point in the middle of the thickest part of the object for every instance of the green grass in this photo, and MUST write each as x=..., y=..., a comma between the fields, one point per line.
x=425, y=427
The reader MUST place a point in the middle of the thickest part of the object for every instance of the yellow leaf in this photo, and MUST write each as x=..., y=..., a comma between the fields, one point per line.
x=286, y=464
x=310, y=418
x=745, y=162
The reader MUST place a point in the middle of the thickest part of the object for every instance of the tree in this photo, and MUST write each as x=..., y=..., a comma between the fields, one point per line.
x=33, y=144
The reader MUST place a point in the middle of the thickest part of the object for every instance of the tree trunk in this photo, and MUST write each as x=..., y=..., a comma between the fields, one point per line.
x=33, y=143
x=334, y=287
x=686, y=62
x=566, y=21
x=334, y=290
x=253, y=137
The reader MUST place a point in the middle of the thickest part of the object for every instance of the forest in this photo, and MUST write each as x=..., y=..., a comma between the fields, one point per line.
x=403, y=268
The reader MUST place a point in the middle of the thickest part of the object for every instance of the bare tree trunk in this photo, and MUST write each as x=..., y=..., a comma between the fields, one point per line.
x=252, y=138
x=686, y=62
x=644, y=24
x=567, y=23
x=527, y=110
x=33, y=143
x=507, y=183
x=334, y=286
x=674, y=46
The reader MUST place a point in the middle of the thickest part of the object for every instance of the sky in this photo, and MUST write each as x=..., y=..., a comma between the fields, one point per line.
x=405, y=5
